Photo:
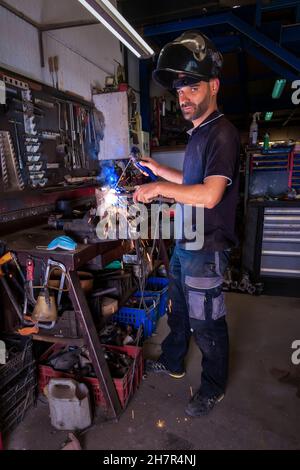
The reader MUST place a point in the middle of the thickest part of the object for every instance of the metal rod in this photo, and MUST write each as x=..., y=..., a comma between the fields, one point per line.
x=92, y=341
x=69, y=24
x=41, y=48
x=19, y=14
x=11, y=298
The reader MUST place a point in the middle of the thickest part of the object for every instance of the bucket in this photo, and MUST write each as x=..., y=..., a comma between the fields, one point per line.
x=69, y=404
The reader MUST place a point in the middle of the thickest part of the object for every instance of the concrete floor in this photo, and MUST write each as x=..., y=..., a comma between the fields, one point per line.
x=261, y=409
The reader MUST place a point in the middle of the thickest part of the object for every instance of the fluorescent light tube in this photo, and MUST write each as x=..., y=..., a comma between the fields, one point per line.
x=127, y=25
x=268, y=116
x=116, y=18
x=278, y=88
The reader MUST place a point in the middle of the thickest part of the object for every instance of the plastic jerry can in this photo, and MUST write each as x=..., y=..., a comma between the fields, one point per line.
x=69, y=404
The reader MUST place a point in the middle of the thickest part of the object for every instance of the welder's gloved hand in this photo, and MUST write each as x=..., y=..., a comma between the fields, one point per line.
x=64, y=242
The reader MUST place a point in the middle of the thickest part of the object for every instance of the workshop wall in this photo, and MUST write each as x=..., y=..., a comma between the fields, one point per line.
x=86, y=55
x=172, y=158
x=19, y=45
x=134, y=76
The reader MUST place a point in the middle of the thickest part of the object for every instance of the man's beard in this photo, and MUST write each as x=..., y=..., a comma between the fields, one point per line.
x=198, y=109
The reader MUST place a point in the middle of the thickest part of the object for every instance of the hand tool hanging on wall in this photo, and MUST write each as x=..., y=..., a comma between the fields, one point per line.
x=83, y=118
x=29, y=280
x=36, y=174
x=28, y=113
x=11, y=174
x=61, y=148
x=44, y=103
x=81, y=150
x=66, y=138
x=30, y=105
x=16, y=124
x=78, y=155
x=73, y=135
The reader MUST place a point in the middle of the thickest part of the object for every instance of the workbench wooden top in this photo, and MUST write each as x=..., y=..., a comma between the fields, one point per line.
x=33, y=242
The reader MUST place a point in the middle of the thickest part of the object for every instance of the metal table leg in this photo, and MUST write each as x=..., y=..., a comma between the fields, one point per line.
x=92, y=341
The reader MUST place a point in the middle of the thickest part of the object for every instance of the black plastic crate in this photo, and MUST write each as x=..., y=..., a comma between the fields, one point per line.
x=17, y=390
x=20, y=350
x=17, y=413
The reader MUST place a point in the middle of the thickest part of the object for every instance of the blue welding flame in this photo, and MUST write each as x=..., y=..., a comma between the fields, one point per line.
x=108, y=176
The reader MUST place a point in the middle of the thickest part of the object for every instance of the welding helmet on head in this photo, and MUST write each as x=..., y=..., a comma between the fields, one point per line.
x=191, y=57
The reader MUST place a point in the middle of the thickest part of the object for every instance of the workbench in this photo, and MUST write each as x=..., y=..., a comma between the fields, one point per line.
x=29, y=243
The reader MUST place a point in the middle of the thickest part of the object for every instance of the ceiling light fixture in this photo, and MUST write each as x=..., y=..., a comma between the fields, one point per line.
x=110, y=17
x=278, y=88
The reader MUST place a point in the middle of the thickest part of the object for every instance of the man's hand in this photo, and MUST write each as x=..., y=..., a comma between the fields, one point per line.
x=150, y=163
x=146, y=193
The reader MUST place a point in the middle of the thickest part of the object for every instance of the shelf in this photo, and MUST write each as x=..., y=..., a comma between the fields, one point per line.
x=58, y=339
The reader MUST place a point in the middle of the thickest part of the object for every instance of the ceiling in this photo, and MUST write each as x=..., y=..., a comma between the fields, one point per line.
x=251, y=66
x=259, y=46
x=47, y=12
x=157, y=11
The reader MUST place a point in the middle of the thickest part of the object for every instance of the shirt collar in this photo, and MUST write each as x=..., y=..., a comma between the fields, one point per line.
x=212, y=117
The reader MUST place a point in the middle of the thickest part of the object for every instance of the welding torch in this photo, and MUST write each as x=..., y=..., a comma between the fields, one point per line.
x=136, y=158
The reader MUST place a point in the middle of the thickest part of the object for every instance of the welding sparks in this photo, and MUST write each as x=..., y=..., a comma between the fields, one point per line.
x=161, y=424
x=191, y=391
x=132, y=414
x=111, y=198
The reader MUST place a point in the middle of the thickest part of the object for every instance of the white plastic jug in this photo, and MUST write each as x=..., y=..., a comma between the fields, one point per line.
x=69, y=404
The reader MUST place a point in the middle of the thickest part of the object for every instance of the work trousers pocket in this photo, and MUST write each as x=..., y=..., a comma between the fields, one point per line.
x=205, y=304
x=218, y=306
x=196, y=304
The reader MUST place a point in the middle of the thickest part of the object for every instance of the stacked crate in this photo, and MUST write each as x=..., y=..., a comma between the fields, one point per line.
x=18, y=381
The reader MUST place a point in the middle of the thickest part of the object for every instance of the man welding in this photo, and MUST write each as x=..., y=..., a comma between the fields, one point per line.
x=191, y=65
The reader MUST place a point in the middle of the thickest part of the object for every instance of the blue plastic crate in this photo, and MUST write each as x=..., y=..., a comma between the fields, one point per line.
x=150, y=296
x=159, y=285
x=137, y=317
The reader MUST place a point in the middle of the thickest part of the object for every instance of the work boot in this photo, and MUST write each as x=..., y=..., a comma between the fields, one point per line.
x=200, y=405
x=159, y=368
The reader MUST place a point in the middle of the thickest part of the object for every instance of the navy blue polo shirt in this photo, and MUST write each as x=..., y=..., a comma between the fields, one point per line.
x=213, y=149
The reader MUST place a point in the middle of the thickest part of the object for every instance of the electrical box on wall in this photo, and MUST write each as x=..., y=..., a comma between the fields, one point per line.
x=116, y=140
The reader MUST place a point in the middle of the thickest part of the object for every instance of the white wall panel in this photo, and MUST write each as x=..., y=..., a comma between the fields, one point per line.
x=86, y=55
x=114, y=107
x=19, y=46
x=31, y=8
x=172, y=158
